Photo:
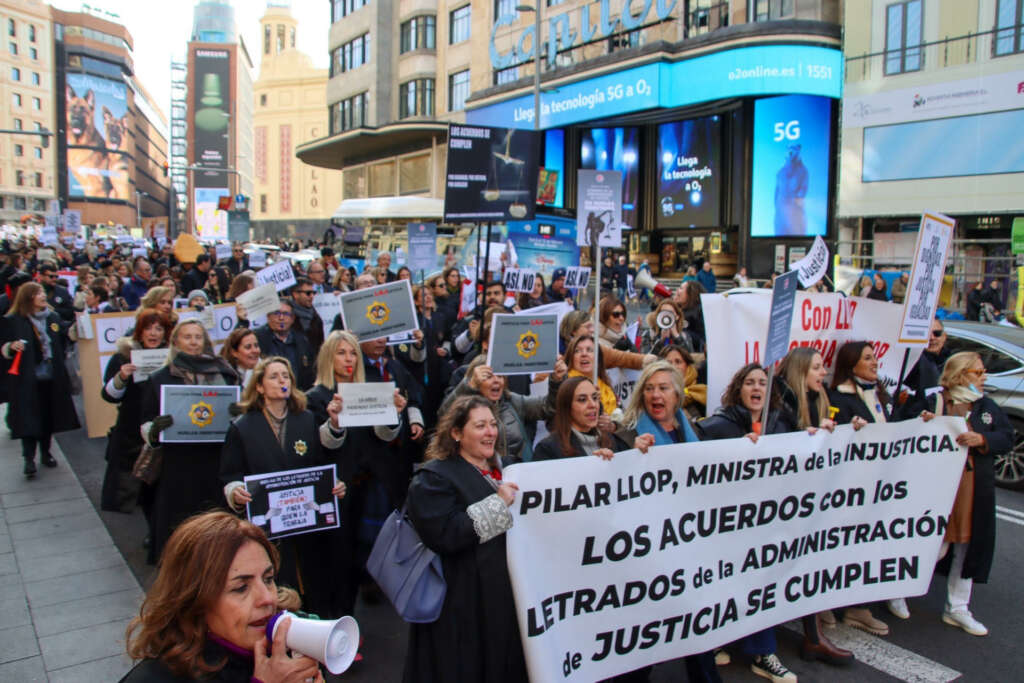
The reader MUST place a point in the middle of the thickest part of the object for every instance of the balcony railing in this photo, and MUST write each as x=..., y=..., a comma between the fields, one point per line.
x=938, y=54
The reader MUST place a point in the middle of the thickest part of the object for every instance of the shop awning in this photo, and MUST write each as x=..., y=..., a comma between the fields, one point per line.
x=337, y=151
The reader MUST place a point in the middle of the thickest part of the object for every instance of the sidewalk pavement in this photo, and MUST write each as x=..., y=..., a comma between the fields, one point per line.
x=66, y=593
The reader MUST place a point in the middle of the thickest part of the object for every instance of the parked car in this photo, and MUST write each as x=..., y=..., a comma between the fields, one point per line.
x=1002, y=351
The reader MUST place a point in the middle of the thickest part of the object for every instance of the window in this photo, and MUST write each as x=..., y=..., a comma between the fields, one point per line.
x=350, y=113
x=15, y=73
x=1009, y=27
x=39, y=204
x=506, y=75
x=17, y=122
x=418, y=33
x=19, y=151
x=19, y=202
x=458, y=90
x=17, y=99
x=903, y=37
x=342, y=8
x=35, y=125
x=291, y=37
x=996, y=361
x=263, y=203
x=351, y=55
x=33, y=53
x=37, y=104
x=35, y=78
x=770, y=10
x=266, y=39
x=37, y=152
x=504, y=7
x=263, y=100
x=13, y=47
x=458, y=25
x=12, y=29
x=280, y=37
x=19, y=177
x=31, y=33
x=416, y=98
x=38, y=179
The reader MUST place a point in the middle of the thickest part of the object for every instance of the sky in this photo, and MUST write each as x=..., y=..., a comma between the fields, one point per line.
x=160, y=32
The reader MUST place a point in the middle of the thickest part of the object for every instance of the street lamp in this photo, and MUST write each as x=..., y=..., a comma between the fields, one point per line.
x=536, y=59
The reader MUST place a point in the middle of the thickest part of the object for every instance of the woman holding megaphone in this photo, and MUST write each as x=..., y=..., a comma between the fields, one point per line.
x=665, y=327
x=205, y=617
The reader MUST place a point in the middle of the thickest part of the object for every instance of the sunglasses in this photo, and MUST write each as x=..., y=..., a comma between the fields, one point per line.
x=618, y=314
x=938, y=333
x=304, y=291
x=977, y=373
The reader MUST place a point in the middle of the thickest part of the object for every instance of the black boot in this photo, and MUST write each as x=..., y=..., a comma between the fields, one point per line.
x=48, y=460
x=30, y=468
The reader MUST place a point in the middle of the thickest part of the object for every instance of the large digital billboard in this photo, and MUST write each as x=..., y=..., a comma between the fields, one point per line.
x=615, y=149
x=689, y=164
x=98, y=139
x=790, y=184
x=211, y=138
x=492, y=174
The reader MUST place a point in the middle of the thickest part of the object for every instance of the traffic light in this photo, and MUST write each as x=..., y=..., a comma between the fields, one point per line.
x=165, y=169
x=45, y=136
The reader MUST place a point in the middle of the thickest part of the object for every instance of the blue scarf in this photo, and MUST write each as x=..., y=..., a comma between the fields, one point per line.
x=645, y=425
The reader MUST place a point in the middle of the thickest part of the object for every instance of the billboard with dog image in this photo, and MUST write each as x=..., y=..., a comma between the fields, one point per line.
x=98, y=139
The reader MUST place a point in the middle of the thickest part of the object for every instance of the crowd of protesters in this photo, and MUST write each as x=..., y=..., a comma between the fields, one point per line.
x=459, y=423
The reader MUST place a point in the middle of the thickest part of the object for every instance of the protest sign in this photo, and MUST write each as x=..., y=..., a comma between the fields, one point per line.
x=281, y=274
x=623, y=382
x=735, y=326
x=517, y=280
x=926, y=277
x=366, y=404
x=48, y=235
x=327, y=306
x=491, y=174
x=379, y=311
x=260, y=301
x=258, y=259
x=201, y=413
x=708, y=542
x=146, y=362
x=84, y=322
x=599, y=212
x=522, y=344
x=139, y=251
x=422, y=246
x=780, y=318
x=467, y=298
x=204, y=315
x=814, y=265
x=223, y=251
x=69, y=278
x=72, y=220
x=293, y=502
x=558, y=309
x=577, y=277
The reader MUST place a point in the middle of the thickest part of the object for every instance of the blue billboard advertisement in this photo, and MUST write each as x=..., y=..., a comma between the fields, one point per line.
x=544, y=244
x=790, y=176
x=615, y=149
x=689, y=158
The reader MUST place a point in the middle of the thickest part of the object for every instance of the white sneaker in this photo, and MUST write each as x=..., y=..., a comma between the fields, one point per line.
x=769, y=666
x=898, y=608
x=966, y=621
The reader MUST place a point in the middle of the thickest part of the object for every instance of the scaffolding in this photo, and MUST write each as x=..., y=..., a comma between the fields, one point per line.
x=178, y=158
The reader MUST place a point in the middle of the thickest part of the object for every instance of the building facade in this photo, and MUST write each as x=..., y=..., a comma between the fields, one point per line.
x=28, y=169
x=720, y=115
x=112, y=137
x=932, y=112
x=290, y=198
x=219, y=138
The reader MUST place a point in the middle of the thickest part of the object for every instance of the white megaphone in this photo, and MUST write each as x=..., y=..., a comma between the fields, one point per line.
x=332, y=643
x=643, y=280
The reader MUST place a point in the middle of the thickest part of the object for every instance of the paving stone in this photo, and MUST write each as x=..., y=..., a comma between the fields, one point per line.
x=82, y=645
x=76, y=586
x=98, y=609
x=18, y=642
x=38, y=528
x=106, y=669
x=42, y=495
x=12, y=481
x=24, y=513
x=8, y=564
x=50, y=566
x=5, y=543
x=65, y=545
x=14, y=612
x=12, y=589
x=28, y=670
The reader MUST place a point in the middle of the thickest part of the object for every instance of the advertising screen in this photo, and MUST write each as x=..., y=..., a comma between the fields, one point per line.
x=211, y=129
x=98, y=138
x=211, y=223
x=492, y=174
x=790, y=185
x=615, y=149
x=689, y=163
x=550, y=188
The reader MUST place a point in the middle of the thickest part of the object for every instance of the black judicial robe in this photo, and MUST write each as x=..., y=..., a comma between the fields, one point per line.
x=250, y=447
x=476, y=638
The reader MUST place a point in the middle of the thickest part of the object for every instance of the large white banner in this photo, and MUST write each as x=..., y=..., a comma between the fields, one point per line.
x=737, y=325
x=620, y=564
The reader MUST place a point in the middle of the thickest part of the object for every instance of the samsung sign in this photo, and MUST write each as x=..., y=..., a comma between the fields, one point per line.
x=741, y=72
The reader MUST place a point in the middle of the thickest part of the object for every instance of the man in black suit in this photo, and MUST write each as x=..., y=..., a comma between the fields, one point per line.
x=238, y=261
x=280, y=337
x=196, y=277
x=56, y=294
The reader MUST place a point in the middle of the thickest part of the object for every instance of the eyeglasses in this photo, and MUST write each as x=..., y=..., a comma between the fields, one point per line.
x=938, y=333
x=304, y=291
x=281, y=314
x=618, y=314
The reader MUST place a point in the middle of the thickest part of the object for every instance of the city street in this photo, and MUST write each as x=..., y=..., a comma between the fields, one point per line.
x=921, y=649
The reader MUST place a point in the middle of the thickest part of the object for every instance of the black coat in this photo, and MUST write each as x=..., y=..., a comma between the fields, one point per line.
x=190, y=474
x=734, y=422
x=299, y=353
x=549, y=448
x=476, y=638
x=847, y=406
x=988, y=419
x=62, y=302
x=193, y=279
x=237, y=669
x=24, y=416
